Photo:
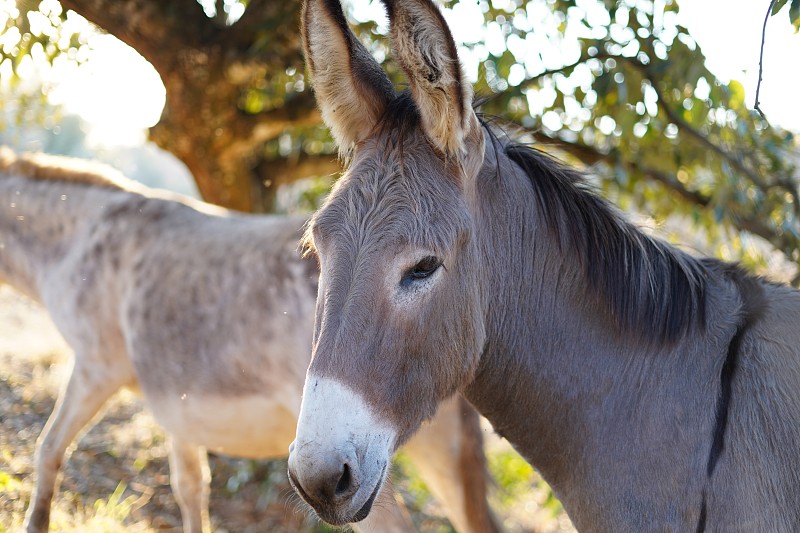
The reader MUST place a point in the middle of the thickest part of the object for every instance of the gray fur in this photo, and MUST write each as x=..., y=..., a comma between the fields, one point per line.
x=603, y=355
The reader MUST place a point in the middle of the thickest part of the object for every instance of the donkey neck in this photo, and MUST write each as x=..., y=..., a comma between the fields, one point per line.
x=560, y=380
x=537, y=335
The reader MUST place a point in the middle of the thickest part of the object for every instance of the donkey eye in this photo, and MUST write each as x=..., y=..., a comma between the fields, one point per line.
x=423, y=269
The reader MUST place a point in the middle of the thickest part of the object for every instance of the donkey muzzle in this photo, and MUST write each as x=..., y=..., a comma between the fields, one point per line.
x=338, y=462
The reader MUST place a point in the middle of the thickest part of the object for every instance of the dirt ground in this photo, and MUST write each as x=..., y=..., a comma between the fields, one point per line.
x=117, y=478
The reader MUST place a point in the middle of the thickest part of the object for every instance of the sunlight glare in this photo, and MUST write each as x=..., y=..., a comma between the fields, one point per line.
x=116, y=91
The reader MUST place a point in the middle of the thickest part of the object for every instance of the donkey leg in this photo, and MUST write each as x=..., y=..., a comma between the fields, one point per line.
x=190, y=478
x=78, y=402
x=449, y=455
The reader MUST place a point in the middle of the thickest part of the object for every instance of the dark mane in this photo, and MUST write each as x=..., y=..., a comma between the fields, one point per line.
x=653, y=289
x=399, y=119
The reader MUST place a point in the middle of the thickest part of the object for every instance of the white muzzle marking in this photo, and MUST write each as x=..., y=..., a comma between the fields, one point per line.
x=340, y=456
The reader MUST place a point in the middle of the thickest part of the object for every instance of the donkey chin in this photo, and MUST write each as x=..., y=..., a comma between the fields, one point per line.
x=340, y=457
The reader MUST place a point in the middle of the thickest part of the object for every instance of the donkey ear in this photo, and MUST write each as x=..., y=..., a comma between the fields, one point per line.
x=351, y=89
x=424, y=47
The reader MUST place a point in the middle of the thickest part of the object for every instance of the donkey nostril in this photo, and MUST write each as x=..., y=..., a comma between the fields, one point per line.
x=344, y=481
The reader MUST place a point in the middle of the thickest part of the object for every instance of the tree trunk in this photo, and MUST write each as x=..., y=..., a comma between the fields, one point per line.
x=207, y=70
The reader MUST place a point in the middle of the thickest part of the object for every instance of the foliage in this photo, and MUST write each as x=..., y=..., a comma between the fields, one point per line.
x=266, y=474
x=33, y=34
x=116, y=508
x=516, y=479
x=618, y=86
x=638, y=106
x=512, y=473
x=32, y=31
x=416, y=495
x=794, y=11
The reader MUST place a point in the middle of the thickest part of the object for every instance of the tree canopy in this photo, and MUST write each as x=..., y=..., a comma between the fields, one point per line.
x=630, y=99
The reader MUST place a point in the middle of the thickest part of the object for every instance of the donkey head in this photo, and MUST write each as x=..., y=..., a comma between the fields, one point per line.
x=399, y=321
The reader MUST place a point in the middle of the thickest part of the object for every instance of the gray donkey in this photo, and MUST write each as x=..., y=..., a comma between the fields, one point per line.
x=653, y=390
x=207, y=313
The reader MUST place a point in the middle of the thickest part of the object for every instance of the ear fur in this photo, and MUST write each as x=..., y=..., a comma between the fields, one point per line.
x=351, y=88
x=426, y=51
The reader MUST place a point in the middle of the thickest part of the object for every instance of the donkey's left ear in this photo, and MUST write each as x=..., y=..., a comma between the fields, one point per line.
x=426, y=51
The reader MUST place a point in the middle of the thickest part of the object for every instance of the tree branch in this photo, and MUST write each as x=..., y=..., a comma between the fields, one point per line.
x=672, y=183
x=267, y=29
x=599, y=55
x=561, y=70
x=274, y=173
x=757, y=107
x=305, y=165
x=254, y=130
x=749, y=223
x=157, y=30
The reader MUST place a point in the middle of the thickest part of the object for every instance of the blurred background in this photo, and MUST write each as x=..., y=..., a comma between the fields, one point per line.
x=652, y=98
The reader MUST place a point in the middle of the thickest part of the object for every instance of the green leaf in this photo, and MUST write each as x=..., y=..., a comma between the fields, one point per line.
x=794, y=14
x=778, y=5
x=736, y=94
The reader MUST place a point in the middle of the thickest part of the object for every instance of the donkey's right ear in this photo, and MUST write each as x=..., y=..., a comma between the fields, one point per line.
x=351, y=88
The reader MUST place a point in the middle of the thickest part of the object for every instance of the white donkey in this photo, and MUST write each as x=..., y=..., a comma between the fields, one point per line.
x=207, y=313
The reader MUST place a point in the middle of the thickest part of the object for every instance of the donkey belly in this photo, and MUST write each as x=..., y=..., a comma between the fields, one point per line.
x=250, y=426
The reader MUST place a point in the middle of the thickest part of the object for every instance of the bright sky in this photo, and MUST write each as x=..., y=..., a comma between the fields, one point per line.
x=121, y=94
x=729, y=33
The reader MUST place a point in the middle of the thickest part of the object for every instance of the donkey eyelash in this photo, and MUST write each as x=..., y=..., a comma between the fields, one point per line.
x=421, y=270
